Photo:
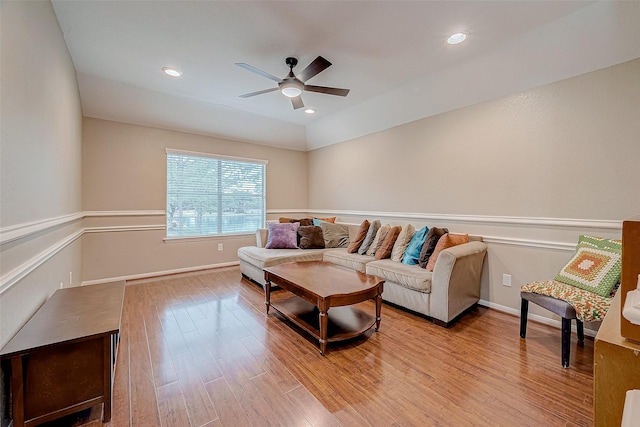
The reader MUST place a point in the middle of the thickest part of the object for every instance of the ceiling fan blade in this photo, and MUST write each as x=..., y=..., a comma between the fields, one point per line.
x=259, y=72
x=319, y=64
x=327, y=90
x=297, y=102
x=260, y=92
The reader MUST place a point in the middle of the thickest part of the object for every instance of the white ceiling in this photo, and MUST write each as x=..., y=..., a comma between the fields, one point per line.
x=391, y=54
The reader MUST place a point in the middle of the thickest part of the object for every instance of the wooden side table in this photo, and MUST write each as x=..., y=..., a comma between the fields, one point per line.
x=616, y=369
x=62, y=359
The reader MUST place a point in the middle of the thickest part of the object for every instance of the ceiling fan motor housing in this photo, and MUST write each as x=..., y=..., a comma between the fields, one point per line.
x=291, y=62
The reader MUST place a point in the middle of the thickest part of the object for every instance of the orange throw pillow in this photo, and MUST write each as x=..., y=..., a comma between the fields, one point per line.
x=360, y=235
x=446, y=241
x=384, y=251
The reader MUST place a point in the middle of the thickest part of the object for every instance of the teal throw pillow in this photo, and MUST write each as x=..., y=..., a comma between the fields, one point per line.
x=412, y=253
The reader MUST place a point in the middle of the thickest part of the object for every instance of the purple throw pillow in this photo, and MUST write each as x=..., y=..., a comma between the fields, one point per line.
x=282, y=236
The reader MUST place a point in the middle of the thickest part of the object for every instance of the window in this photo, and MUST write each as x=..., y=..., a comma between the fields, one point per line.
x=211, y=195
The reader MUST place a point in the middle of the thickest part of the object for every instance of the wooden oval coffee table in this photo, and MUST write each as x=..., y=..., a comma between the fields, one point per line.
x=318, y=286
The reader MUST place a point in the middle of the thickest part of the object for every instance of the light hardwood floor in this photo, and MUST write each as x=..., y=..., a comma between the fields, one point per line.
x=198, y=350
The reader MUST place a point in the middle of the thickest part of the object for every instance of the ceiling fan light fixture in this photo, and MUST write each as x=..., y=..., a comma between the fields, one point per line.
x=456, y=38
x=171, y=72
x=291, y=89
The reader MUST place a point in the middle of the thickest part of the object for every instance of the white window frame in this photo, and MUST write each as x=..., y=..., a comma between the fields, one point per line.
x=172, y=237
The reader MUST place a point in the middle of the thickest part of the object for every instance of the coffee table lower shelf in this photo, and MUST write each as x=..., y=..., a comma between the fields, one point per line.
x=344, y=323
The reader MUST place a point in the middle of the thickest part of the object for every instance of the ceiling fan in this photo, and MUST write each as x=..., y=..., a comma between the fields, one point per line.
x=293, y=85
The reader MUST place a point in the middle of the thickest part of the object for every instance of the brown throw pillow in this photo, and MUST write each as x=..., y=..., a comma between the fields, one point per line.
x=359, y=238
x=311, y=237
x=384, y=251
x=303, y=222
x=446, y=241
x=430, y=243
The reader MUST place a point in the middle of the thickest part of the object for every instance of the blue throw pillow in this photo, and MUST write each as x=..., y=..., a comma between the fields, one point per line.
x=412, y=253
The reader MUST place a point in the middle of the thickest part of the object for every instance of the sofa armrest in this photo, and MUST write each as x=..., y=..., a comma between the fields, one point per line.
x=456, y=279
x=261, y=237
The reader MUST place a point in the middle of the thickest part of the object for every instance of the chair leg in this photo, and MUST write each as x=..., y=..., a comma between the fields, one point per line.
x=566, y=341
x=524, y=310
x=580, y=327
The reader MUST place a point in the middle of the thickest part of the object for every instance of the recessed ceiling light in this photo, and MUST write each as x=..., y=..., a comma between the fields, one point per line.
x=456, y=38
x=171, y=72
x=309, y=111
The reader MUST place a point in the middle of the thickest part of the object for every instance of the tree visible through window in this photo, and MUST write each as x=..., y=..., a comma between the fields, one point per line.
x=211, y=195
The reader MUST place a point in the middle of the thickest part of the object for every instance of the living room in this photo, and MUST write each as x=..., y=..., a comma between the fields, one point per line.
x=529, y=170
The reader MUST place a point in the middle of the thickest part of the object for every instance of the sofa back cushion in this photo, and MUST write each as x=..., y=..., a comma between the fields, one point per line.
x=282, y=236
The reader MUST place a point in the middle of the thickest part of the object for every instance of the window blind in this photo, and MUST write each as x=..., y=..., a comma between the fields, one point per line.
x=210, y=195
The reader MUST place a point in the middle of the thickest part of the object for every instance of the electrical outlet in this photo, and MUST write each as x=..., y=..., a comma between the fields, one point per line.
x=506, y=280
x=61, y=285
x=220, y=246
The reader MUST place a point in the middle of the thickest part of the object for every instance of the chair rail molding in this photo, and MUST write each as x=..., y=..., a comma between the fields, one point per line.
x=12, y=277
x=484, y=219
x=25, y=229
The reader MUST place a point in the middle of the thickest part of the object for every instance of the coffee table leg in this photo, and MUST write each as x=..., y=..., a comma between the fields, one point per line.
x=267, y=294
x=378, y=310
x=324, y=325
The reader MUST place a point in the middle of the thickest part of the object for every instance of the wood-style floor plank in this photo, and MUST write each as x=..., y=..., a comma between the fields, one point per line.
x=198, y=349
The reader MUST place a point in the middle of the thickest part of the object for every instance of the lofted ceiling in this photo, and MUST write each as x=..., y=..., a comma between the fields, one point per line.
x=393, y=56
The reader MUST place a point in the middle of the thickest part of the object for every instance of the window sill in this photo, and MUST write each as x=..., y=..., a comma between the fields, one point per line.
x=214, y=237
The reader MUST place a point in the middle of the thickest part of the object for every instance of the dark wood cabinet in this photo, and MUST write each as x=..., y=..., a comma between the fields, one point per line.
x=62, y=360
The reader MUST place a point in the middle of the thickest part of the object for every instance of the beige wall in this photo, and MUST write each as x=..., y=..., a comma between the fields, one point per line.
x=124, y=185
x=566, y=150
x=40, y=165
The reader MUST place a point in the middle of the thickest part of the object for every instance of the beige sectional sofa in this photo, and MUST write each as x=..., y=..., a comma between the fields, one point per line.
x=444, y=294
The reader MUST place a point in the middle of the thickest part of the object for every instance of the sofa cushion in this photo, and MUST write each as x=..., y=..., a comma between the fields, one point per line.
x=377, y=241
x=371, y=234
x=262, y=257
x=359, y=237
x=401, y=242
x=282, y=236
x=384, y=251
x=445, y=242
x=335, y=235
x=412, y=253
x=430, y=245
x=311, y=237
x=350, y=260
x=408, y=276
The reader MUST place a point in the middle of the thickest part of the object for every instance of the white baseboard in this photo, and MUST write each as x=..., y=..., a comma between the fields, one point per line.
x=159, y=273
x=535, y=317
